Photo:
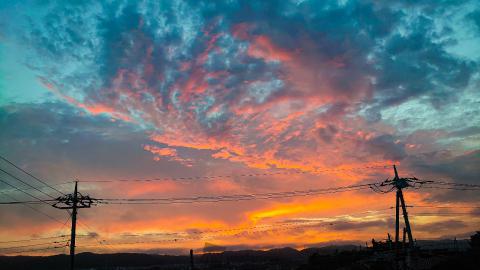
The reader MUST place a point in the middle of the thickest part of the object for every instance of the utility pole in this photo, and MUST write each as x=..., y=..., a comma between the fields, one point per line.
x=74, y=202
x=399, y=184
x=74, y=227
x=397, y=219
x=192, y=267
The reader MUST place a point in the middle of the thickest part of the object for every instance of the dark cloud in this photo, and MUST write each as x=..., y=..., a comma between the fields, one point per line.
x=444, y=166
x=357, y=225
x=93, y=235
x=465, y=235
x=441, y=226
x=387, y=146
x=342, y=224
x=462, y=168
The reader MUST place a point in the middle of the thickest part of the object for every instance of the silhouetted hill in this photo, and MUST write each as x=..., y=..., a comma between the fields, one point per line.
x=287, y=257
x=91, y=261
x=329, y=257
x=328, y=249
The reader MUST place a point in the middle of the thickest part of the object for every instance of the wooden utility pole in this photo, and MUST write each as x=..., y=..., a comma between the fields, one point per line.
x=74, y=202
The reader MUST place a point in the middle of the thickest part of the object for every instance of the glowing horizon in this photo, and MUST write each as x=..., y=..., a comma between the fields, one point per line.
x=314, y=94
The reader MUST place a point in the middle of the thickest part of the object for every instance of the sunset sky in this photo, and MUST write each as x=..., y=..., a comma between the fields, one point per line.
x=315, y=94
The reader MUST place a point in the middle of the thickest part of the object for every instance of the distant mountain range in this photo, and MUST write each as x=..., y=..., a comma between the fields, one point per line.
x=274, y=259
x=286, y=258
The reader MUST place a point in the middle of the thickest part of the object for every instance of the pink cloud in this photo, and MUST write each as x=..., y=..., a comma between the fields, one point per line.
x=94, y=109
x=262, y=47
x=167, y=152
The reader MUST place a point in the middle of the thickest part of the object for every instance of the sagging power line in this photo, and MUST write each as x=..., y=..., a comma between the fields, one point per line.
x=31, y=175
x=210, y=177
x=377, y=187
x=37, y=249
x=41, y=187
x=31, y=245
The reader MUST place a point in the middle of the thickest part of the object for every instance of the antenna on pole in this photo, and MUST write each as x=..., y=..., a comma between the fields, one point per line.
x=74, y=202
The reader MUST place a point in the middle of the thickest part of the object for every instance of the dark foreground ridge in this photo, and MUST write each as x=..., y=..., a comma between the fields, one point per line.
x=331, y=257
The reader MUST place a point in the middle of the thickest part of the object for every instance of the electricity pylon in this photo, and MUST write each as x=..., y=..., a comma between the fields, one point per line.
x=73, y=201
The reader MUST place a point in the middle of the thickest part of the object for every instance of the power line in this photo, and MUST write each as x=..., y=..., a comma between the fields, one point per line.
x=443, y=214
x=223, y=198
x=36, y=210
x=236, y=197
x=254, y=229
x=33, y=196
x=452, y=184
x=32, y=208
x=20, y=180
x=386, y=187
x=443, y=207
x=26, y=202
x=85, y=225
x=185, y=235
x=33, y=239
x=452, y=188
x=31, y=245
x=25, y=189
x=90, y=229
x=35, y=250
x=207, y=234
x=29, y=174
x=232, y=176
x=39, y=238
